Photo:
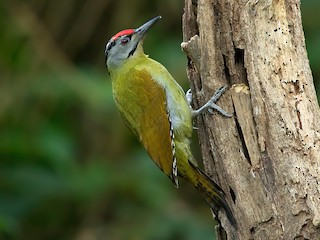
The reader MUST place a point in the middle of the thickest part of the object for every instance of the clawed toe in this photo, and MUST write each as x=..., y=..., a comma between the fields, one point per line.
x=210, y=105
x=214, y=106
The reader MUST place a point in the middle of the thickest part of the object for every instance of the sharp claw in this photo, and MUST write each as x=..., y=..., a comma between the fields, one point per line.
x=222, y=112
x=218, y=93
x=214, y=106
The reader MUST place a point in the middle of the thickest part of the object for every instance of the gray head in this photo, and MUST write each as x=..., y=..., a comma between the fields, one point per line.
x=124, y=44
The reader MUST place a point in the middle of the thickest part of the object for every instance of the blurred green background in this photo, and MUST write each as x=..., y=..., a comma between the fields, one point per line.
x=69, y=168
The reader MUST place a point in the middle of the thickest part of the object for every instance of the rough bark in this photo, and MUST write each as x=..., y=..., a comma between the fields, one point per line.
x=267, y=157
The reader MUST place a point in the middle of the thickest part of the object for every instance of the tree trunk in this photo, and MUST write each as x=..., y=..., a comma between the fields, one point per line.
x=267, y=157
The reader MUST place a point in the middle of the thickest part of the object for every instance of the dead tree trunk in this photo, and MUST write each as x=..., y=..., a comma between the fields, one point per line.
x=266, y=158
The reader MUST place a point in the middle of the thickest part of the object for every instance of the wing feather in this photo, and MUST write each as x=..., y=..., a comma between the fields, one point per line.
x=142, y=103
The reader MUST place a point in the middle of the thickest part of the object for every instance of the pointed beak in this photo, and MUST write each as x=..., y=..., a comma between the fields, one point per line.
x=141, y=31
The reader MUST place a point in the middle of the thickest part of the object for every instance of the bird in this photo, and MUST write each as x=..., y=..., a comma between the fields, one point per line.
x=154, y=106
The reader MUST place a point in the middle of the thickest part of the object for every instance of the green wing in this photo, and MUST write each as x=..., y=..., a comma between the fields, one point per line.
x=142, y=103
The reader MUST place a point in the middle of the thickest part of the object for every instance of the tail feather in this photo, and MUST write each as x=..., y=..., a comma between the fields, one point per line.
x=213, y=194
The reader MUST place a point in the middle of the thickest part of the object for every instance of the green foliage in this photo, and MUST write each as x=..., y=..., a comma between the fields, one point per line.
x=69, y=168
x=311, y=25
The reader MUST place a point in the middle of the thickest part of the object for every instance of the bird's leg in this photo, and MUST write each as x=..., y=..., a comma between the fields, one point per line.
x=210, y=105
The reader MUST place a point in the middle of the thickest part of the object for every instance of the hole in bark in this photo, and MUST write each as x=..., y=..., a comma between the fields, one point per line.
x=244, y=146
x=241, y=71
x=233, y=195
x=252, y=230
x=239, y=55
x=226, y=70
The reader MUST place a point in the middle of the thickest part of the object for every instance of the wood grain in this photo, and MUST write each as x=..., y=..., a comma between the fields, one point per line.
x=266, y=158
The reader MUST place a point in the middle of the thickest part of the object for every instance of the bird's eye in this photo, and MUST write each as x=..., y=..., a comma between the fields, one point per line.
x=125, y=40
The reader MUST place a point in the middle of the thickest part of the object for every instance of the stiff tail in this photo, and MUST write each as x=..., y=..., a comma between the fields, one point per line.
x=213, y=194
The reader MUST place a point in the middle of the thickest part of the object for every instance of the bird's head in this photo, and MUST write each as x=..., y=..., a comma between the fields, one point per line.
x=124, y=44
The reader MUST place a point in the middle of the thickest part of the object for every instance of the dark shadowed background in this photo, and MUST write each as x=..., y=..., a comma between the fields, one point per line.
x=69, y=168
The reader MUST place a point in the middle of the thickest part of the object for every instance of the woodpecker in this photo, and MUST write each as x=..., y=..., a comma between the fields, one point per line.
x=154, y=106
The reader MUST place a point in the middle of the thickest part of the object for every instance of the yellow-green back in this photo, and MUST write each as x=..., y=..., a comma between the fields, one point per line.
x=154, y=107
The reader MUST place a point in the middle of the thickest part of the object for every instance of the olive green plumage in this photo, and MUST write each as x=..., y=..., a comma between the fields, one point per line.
x=155, y=108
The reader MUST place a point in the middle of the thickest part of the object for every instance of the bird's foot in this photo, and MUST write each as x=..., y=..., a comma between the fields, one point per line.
x=211, y=104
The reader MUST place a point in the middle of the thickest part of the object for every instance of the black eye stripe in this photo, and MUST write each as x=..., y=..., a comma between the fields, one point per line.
x=110, y=45
x=112, y=42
